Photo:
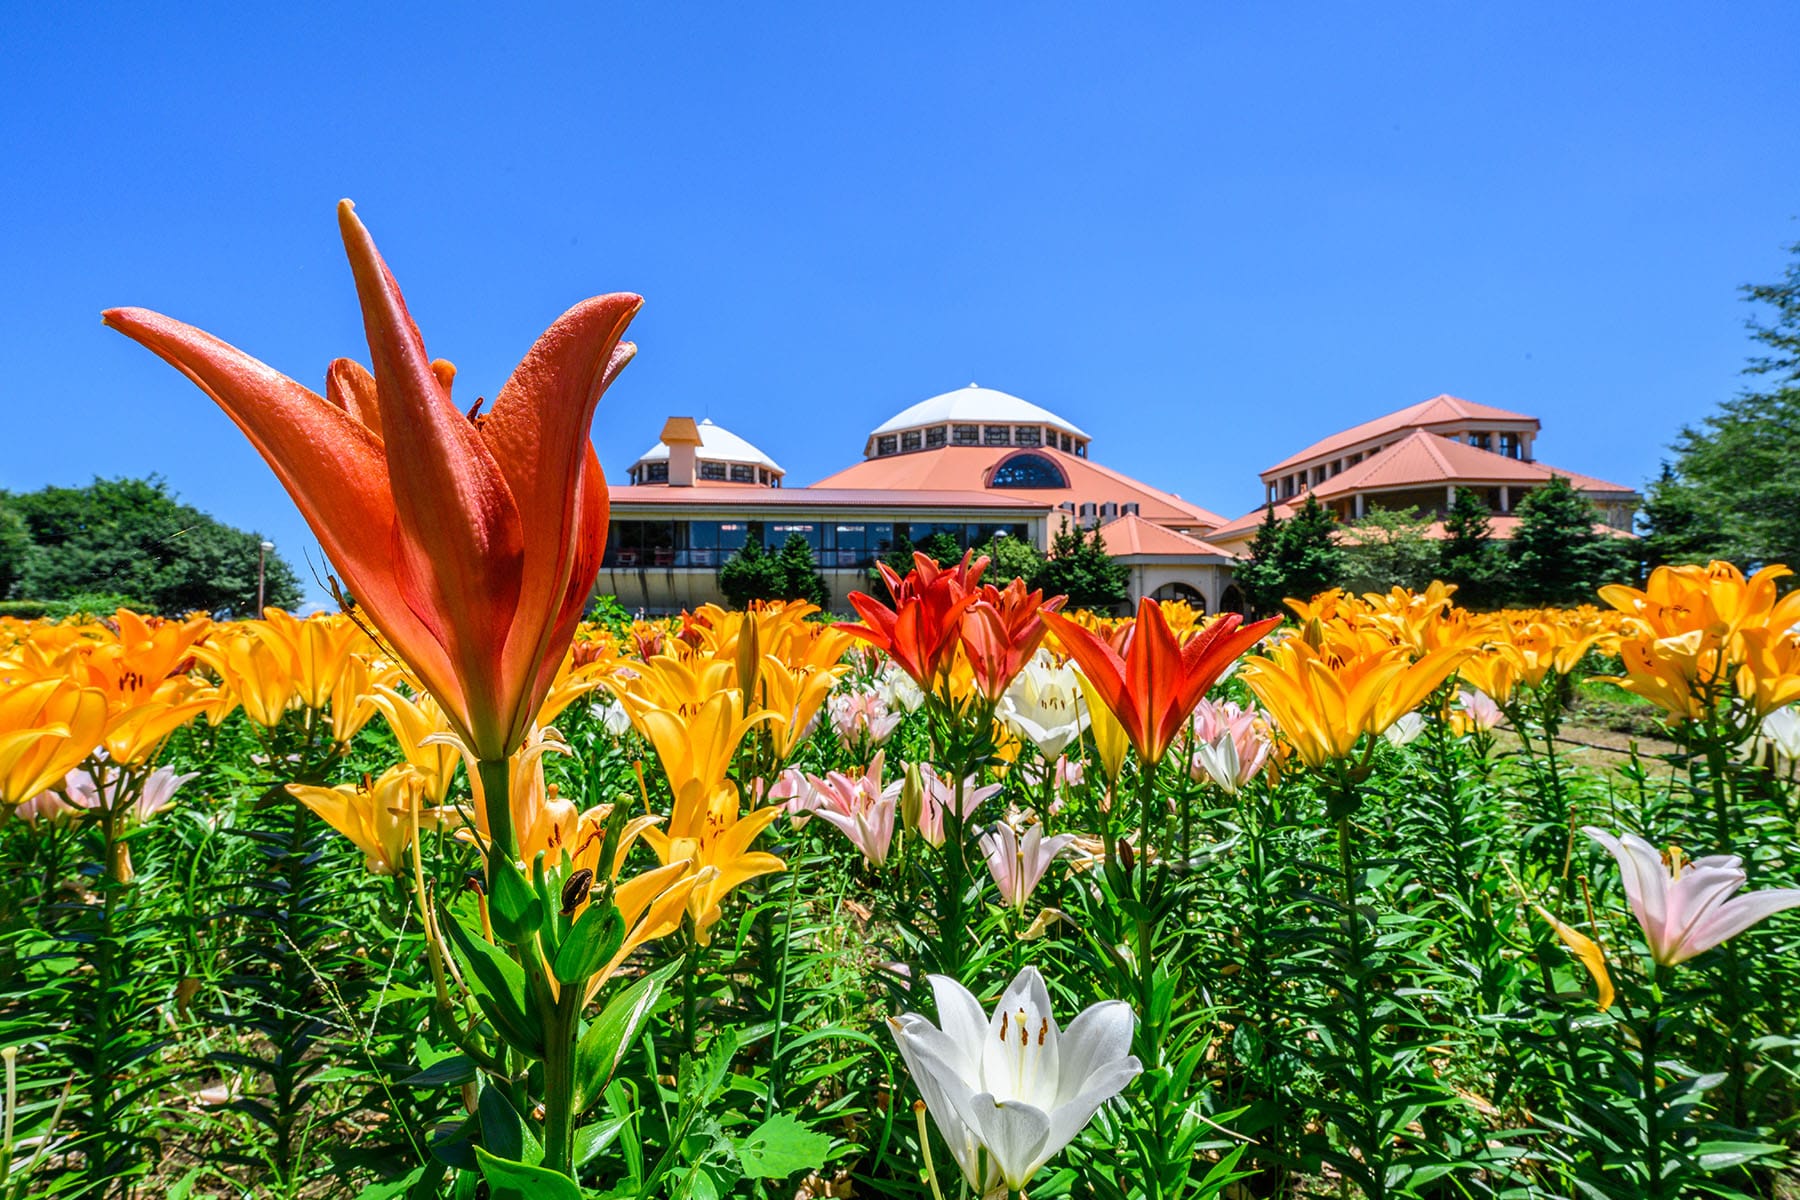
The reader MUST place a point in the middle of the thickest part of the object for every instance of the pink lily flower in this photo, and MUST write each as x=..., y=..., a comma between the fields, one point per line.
x=1229, y=748
x=939, y=797
x=860, y=807
x=1686, y=907
x=862, y=718
x=158, y=793
x=1018, y=861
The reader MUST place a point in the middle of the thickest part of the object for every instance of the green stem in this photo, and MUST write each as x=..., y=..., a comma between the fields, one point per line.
x=1649, y=1035
x=1368, y=1086
x=781, y=978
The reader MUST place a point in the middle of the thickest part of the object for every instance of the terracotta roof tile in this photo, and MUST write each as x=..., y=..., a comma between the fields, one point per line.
x=1438, y=410
x=1131, y=534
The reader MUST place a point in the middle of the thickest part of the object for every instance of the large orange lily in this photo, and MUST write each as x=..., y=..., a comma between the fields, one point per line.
x=470, y=541
x=1001, y=631
x=1153, y=687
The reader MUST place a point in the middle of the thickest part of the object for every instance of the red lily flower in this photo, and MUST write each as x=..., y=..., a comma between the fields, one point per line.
x=470, y=541
x=1153, y=687
x=920, y=631
x=1001, y=631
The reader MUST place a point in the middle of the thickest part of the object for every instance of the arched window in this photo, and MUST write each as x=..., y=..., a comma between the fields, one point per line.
x=1028, y=471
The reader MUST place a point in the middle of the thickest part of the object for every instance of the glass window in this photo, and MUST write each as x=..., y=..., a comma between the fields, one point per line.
x=912, y=439
x=743, y=473
x=712, y=470
x=936, y=436
x=965, y=435
x=886, y=444
x=656, y=472
x=814, y=535
x=1028, y=471
x=1509, y=445
x=996, y=435
x=1029, y=435
x=1068, y=443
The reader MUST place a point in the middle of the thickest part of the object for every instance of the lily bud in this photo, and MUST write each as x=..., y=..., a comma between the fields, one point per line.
x=749, y=661
x=912, y=796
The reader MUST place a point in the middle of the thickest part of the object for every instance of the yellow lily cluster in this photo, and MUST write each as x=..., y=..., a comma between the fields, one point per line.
x=1333, y=682
x=1696, y=636
x=696, y=699
x=324, y=663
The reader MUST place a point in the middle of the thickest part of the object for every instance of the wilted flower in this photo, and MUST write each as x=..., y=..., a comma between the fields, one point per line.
x=1686, y=906
x=1014, y=1088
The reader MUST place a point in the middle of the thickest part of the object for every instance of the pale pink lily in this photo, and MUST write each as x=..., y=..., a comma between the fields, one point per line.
x=938, y=797
x=1687, y=906
x=860, y=807
x=1479, y=709
x=1018, y=861
x=862, y=719
x=157, y=794
x=1010, y=1091
x=1229, y=746
x=47, y=807
x=794, y=792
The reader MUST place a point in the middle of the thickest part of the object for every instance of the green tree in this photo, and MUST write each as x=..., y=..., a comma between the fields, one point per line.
x=1390, y=548
x=752, y=574
x=1010, y=558
x=1557, y=555
x=1299, y=557
x=1469, y=557
x=15, y=545
x=1733, y=489
x=134, y=538
x=800, y=576
x=1080, y=568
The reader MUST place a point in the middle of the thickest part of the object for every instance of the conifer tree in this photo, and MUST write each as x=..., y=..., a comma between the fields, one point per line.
x=1558, y=557
x=1299, y=558
x=1469, y=556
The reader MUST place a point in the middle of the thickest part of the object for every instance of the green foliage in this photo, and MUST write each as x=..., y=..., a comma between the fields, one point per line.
x=605, y=611
x=1469, y=557
x=1733, y=489
x=133, y=538
x=1557, y=554
x=753, y=574
x=1298, y=557
x=1011, y=558
x=1388, y=549
x=1080, y=568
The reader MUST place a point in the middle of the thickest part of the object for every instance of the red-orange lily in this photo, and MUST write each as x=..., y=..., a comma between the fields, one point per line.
x=471, y=541
x=1152, y=689
x=920, y=632
x=1001, y=631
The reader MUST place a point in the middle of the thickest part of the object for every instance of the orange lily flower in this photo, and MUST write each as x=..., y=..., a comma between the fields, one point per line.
x=1001, y=631
x=47, y=728
x=920, y=632
x=470, y=541
x=1153, y=687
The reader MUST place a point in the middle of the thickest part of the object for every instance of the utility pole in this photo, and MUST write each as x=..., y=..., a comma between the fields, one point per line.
x=262, y=559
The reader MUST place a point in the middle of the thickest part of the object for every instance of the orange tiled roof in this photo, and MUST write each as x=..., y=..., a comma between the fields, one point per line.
x=1131, y=534
x=968, y=468
x=659, y=495
x=1439, y=410
x=1421, y=459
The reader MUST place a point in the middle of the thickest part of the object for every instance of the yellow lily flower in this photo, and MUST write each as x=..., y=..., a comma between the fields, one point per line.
x=48, y=727
x=672, y=684
x=1111, y=740
x=794, y=696
x=255, y=672
x=706, y=831
x=317, y=649
x=352, y=702
x=653, y=904
x=414, y=722
x=377, y=816
x=698, y=746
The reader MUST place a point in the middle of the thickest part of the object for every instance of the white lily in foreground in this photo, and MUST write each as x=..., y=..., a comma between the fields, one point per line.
x=1010, y=1091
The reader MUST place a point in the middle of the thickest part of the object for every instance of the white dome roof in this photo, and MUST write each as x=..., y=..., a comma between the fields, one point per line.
x=717, y=445
x=975, y=405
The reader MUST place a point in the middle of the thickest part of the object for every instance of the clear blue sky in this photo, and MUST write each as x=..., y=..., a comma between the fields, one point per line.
x=1206, y=233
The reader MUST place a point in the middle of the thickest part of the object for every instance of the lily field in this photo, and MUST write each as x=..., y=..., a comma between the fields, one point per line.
x=452, y=893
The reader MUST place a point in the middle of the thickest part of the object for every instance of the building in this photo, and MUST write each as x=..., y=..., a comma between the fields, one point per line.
x=1417, y=458
x=974, y=463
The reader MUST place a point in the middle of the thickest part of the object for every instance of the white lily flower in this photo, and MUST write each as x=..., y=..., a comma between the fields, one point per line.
x=1010, y=1091
x=1782, y=727
x=1405, y=730
x=1043, y=705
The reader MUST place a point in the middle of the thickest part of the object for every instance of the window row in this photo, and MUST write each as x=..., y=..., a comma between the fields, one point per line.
x=632, y=544
x=978, y=435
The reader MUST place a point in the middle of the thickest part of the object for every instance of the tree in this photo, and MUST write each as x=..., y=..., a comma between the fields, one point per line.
x=1010, y=558
x=1390, y=548
x=133, y=538
x=1469, y=557
x=1733, y=489
x=751, y=574
x=1558, y=557
x=800, y=576
x=15, y=545
x=1299, y=557
x=1080, y=568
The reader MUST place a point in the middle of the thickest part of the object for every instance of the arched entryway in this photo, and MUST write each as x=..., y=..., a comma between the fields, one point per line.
x=1180, y=591
x=1232, y=600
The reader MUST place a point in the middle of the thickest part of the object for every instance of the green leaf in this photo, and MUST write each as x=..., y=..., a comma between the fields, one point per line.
x=450, y=1071
x=499, y=987
x=590, y=1140
x=701, y=1077
x=780, y=1146
x=612, y=1032
x=514, y=908
x=596, y=936
x=503, y=1130
x=508, y=1180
